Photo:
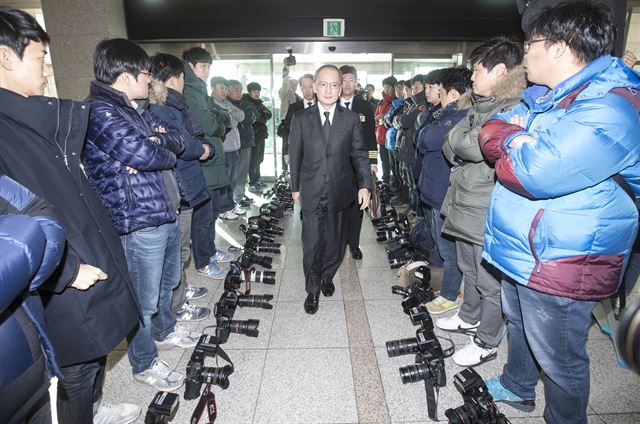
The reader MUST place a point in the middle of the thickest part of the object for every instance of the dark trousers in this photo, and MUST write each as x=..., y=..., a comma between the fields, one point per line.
x=285, y=151
x=203, y=233
x=323, y=244
x=80, y=388
x=386, y=164
x=257, y=156
x=355, y=226
x=40, y=413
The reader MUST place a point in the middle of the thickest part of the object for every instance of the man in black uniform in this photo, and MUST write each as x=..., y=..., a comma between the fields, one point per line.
x=349, y=100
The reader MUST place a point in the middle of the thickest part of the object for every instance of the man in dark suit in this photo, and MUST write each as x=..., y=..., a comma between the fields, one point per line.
x=349, y=100
x=308, y=100
x=329, y=172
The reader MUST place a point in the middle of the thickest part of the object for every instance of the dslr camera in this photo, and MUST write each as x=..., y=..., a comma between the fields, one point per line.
x=478, y=407
x=197, y=373
x=419, y=291
x=291, y=59
x=236, y=276
x=225, y=324
x=254, y=242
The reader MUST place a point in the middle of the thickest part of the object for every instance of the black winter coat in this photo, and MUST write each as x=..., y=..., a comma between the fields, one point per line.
x=83, y=325
x=260, y=126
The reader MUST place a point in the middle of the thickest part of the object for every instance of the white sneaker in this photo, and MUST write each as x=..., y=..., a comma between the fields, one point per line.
x=180, y=337
x=229, y=215
x=120, y=413
x=473, y=354
x=160, y=377
x=239, y=211
x=455, y=325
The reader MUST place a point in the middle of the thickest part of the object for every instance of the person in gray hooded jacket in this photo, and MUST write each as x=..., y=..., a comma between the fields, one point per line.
x=498, y=81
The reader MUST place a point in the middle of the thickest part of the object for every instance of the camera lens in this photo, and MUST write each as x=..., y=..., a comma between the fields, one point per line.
x=264, y=277
x=465, y=414
x=265, y=261
x=248, y=327
x=218, y=376
x=401, y=347
x=414, y=373
x=256, y=301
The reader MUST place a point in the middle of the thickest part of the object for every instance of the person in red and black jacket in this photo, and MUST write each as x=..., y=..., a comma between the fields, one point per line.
x=388, y=95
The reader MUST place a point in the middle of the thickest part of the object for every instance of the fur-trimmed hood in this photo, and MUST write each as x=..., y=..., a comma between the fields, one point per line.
x=510, y=87
x=157, y=92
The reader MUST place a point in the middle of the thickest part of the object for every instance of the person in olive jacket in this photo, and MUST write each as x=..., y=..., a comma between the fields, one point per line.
x=197, y=63
x=499, y=81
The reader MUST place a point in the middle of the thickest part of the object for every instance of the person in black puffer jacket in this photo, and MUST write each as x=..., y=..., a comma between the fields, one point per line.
x=261, y=134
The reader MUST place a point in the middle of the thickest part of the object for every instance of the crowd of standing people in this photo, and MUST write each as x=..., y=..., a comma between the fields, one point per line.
x=524, y=193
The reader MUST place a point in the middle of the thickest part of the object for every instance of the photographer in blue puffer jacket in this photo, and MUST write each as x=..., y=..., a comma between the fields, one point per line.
x=562, y=219
x=31, y=245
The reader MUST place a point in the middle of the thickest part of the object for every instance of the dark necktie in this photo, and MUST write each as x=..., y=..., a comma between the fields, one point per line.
x=326, y=127
x=309, y=104
x=347, y=105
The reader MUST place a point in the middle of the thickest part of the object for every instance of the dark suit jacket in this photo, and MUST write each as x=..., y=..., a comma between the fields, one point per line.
x=342, y=162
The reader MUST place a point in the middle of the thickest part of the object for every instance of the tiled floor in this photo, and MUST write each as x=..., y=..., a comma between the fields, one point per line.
x=333, y=367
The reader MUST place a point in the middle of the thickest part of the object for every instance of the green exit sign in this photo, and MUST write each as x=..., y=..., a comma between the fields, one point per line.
x=333, y=27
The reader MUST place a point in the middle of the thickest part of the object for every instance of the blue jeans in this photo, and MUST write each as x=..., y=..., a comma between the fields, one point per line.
x=446, y=248
x=153, y=257
x=548, y=333
x=80, y=388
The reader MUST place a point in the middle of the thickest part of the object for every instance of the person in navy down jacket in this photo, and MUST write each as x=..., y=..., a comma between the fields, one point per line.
x=168, y=104
x=559, y=225
x=32, y=245
x=129, y=158
x=434, y=180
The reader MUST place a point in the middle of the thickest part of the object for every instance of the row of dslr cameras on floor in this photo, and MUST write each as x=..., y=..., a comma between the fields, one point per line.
x=260, y=232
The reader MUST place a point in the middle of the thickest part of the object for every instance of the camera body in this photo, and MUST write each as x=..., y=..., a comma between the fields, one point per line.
x=163, y=406
x=254, y=242
x=291, y=59
x=250, y=258
x=418, y=292
x=225, y=324
x=197, y=373
x=478, y=404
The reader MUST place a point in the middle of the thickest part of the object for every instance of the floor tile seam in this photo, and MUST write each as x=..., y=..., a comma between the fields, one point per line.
x=373, y=375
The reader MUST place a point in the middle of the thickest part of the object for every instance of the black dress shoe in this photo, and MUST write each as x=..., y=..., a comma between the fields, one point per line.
x=356, y=253
x=327, y=288
x=311, y=303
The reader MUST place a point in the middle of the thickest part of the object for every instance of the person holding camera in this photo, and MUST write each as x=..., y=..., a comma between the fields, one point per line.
x=329, y=171
x=561, y=221
x=498, y=82
x=260, y=135
x=308, y=100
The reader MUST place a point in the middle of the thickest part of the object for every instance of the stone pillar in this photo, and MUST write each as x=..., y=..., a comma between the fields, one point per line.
x=75, y=27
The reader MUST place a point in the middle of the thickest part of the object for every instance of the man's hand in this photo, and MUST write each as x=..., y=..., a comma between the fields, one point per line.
x=207, y=150
x=363, y=198
x=286, y=159
x=160, y=129
x=521, y=139
x=87, y=276
x=517, y=120
x=374, y=169
x=296, y=197
x=131, y=170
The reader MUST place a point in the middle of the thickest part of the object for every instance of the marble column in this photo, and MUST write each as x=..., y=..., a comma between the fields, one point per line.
x=75, y=27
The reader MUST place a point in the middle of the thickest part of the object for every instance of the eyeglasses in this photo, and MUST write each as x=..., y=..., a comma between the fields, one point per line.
x=147, y=73
x=324, y=85
x=527, y=44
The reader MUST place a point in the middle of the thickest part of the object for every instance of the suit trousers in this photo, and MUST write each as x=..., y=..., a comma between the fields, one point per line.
x=323, y=243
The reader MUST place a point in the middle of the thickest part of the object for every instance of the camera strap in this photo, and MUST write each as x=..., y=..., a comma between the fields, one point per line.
x=207, y=402
x=433, y=392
